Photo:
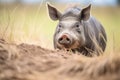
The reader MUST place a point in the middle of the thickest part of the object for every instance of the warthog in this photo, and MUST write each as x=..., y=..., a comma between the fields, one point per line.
x=78, y=31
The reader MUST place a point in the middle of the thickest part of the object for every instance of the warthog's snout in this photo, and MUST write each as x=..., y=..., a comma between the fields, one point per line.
x=65, y=40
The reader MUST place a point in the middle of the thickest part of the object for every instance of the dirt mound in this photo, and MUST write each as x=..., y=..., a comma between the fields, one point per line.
x=30, y=62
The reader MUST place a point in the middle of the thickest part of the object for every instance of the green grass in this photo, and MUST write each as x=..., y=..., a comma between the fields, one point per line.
x=31, y=24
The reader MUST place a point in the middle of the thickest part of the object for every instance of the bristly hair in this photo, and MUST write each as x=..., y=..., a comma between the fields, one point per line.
x=72, y=12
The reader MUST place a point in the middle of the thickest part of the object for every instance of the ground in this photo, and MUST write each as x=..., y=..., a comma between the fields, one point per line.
x=31, y=62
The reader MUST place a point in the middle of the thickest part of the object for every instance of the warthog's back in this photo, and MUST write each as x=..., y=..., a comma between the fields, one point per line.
x=95, y=35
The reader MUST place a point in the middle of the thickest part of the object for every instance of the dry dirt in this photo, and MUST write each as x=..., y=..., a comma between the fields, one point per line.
x=31, y=62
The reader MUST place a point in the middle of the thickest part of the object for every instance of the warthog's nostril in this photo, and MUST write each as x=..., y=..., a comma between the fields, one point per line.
x=67, y=39
x=60, y=39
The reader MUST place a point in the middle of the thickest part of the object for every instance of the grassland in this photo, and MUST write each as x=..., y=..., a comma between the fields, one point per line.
x=31, y=24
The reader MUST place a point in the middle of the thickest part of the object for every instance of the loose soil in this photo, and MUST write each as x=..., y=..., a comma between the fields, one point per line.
x=31, y=62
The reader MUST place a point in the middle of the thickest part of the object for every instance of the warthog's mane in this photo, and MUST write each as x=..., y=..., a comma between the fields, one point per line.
x=72, y=12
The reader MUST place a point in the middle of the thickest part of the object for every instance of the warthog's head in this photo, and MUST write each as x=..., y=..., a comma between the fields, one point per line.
x=69, y=32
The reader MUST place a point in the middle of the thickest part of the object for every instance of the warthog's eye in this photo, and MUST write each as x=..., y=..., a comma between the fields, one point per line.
x=59, y=28
x=77, y=28
x=59, y=25
x=77, y=25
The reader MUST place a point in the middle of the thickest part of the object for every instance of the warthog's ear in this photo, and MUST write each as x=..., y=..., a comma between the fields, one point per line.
x=53, y=12
x=85, y=13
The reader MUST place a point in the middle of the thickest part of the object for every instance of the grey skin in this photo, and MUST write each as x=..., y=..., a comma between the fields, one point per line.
x=78, y=31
